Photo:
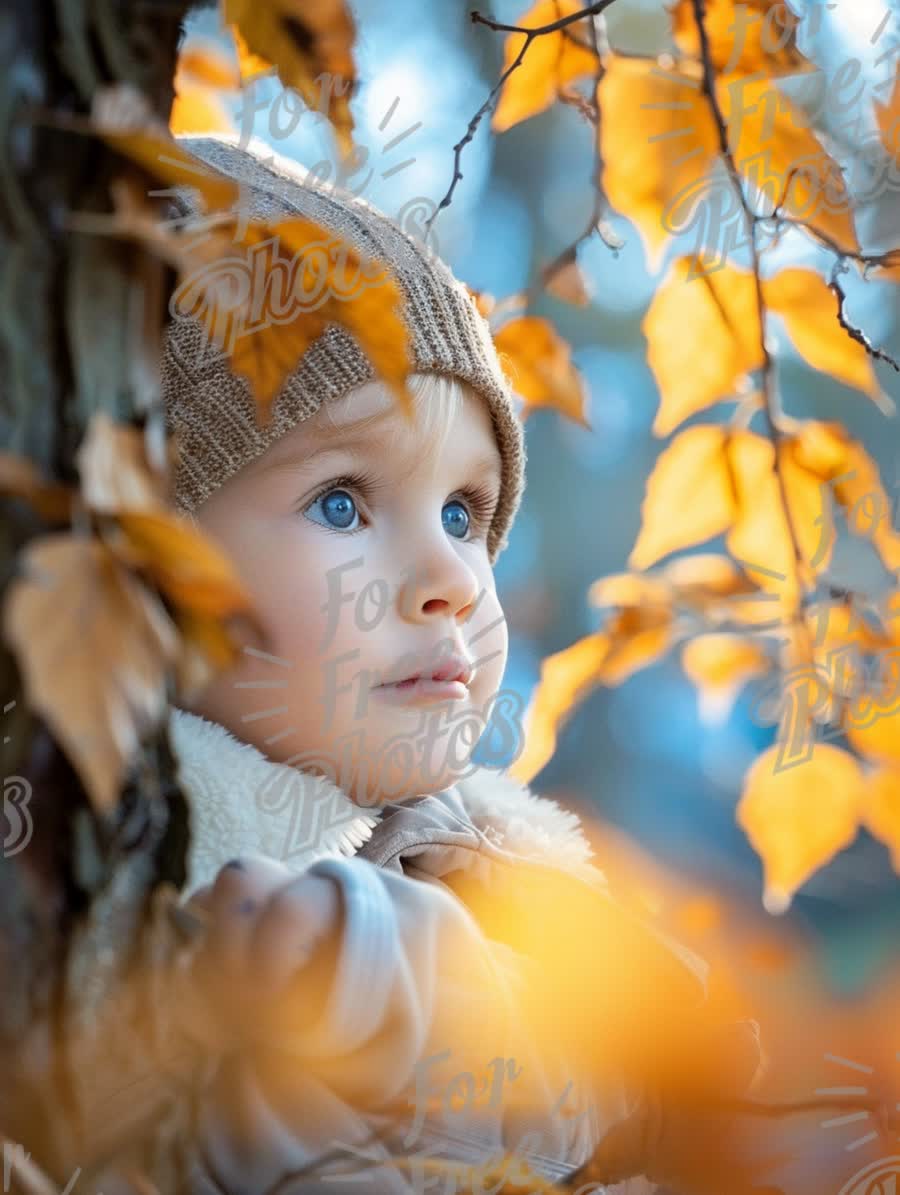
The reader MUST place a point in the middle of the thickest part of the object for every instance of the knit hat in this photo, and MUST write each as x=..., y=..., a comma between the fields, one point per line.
x=212, y=410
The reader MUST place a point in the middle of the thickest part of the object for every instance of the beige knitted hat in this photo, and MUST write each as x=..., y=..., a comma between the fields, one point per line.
x=212, y=410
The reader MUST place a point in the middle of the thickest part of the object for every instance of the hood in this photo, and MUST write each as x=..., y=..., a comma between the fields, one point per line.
x=244, y=803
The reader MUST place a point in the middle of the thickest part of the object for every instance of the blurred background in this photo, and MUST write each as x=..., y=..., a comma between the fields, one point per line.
x=663, y=784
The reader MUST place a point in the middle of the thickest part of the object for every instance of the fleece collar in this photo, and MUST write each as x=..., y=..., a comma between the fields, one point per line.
x=244, y=803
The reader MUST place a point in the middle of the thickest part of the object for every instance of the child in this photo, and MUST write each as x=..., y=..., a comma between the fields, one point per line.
x=336, y=813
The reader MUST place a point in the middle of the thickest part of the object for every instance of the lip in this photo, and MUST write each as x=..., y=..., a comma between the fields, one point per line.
x=422, y=690
x=449, y=668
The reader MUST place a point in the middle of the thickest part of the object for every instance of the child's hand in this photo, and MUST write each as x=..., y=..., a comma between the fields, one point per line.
x=272, y=943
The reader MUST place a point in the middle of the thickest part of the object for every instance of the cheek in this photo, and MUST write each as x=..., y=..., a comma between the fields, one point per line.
x=487, y=638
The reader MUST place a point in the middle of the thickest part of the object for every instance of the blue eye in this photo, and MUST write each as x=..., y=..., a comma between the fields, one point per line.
x=338, y=507
x=455, y=518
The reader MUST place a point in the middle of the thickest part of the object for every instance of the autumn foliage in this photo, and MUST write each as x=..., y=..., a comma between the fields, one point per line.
x=698, y=139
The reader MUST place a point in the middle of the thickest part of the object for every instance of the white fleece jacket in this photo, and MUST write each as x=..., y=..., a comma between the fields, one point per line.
x=422, y=1003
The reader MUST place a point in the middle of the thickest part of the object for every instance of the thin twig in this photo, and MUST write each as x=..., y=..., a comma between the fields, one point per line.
x=708, y=87
x=530, y=34
x=856, y=334
x=569, y=255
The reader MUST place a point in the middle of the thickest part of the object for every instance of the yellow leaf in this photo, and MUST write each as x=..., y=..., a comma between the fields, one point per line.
x=783, y=160
x=720, y=664
x=809, y=309
x=538, y=363
x=197, y=111
x=93, y=644
x=566, y=677
x=659, y=143
x=657, y=140
x=312, y=47
x=755, y=36
x=706, y=577
x=122, y=116
x=881, y=810
x=880, y=739
x=638, y=636
x=847, y=471
x=629, y=589
x=689, y=496
x=760, y=537
x=202, y=72
x=202, y=61
x=551, y=61
x=702, y=336
x=249, y=65
x=798, y=818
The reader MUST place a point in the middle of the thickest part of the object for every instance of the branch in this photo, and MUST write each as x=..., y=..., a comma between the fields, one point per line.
x=854, y=332
x=569, y=255
x=530, y=34
x=768, y=403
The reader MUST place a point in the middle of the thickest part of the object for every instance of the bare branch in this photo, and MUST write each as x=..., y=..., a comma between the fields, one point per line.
x=857, y=335
x=530, y=34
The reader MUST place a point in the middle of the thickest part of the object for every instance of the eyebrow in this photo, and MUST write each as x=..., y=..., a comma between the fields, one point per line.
x=361, y=446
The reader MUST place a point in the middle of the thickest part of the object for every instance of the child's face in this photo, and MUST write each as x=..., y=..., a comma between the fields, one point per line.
x=361, y=585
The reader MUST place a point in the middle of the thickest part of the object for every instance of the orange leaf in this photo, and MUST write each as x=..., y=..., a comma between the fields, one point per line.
x=847, y=471
x=758, y=35
x=186, y=565
x=783, y=160
x=566, y=677
x=706, y=578
x=702, y=336
x=538, y=363
x=880, y=738
x=660, y=144
x=720, y=664
x=551, y=61
x=301, y=263
x=809, y=309
x=689, y=496
x=881, y=810
x=249, y=65
x=122, y=116
x=312, y=47
x=630, y=589
x=195, y=110
x=798, y=818
x=20, y=479
x=97, y=675
x=760, y=537
x=202, y=61
x=638, y=636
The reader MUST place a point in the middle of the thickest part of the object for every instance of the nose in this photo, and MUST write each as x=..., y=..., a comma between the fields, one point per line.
x=438, y=584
